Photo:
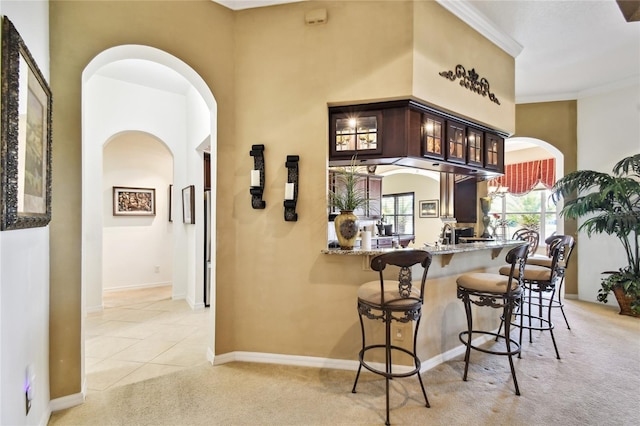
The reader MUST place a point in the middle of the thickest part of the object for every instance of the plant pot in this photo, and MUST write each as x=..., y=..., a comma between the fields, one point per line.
x=346, y=224
x=625, y=302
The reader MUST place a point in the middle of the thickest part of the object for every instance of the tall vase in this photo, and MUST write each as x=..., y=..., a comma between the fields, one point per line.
x=346, y=224
x=485, y=206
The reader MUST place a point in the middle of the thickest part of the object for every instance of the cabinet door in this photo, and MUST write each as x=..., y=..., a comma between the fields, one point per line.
x=494, y=152
x=355, y=134
x=375, y=196
x=432, y=137
x=475, y=147
x=456, y=142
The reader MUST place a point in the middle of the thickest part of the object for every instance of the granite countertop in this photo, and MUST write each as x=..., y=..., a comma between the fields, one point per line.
x=435, y=251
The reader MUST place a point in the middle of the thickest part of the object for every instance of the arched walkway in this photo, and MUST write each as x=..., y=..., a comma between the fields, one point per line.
x=182, y=121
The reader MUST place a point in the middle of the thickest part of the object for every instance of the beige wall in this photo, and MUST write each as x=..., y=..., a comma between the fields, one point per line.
x=443, y=41
x=557, y=124
x=272, y=77
x=197, y=32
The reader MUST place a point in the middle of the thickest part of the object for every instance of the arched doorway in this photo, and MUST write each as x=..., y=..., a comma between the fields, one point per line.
x=181, y=116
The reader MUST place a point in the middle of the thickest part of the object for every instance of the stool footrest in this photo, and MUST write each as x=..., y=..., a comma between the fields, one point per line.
x=416, y=360
x=514, y=351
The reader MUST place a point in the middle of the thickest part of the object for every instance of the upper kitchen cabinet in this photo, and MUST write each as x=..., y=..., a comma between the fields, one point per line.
x=411, y=134
x=358, y=134
x=494, y=152
x=475, y=147
x=433, y=142
x=456, y=142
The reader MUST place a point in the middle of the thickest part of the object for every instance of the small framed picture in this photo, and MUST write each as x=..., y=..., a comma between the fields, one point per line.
x=188, y=204
x=134, y=201
x=429, y=208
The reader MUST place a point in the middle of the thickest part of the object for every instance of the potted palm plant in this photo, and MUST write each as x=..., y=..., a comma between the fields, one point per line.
x=611, y=205
x=348, y=194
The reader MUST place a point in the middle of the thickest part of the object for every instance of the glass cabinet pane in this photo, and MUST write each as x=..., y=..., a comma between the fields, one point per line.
x=356, y=133
x=432, y=137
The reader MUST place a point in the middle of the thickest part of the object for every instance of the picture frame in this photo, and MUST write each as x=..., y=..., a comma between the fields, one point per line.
x=188, y=205
x=128, y=201
x=25, y=138
x=429, y=208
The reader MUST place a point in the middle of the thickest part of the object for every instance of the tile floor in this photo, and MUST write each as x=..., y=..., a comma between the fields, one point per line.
x=142, y=334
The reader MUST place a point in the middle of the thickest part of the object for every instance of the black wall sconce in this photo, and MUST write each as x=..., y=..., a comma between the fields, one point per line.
x=257, y=177
x=291, y=189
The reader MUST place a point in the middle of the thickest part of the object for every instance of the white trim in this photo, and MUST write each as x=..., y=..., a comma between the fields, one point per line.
x=479, y=22
x=66, y=402
x=137, y=286
x=336, y=364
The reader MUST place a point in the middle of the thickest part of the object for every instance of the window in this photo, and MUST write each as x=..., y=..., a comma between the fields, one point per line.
x=527, y=210
x=398, y=210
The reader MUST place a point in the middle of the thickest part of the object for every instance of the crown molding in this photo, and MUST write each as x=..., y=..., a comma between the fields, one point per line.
x=464, y=10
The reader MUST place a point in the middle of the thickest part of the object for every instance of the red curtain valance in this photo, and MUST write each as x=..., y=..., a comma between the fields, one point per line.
x=521, y=178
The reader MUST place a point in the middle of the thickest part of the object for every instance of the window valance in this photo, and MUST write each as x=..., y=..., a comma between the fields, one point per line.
x=521, y=178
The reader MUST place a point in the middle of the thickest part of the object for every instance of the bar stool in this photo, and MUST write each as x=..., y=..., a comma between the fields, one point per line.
x=495, y=291
x=529, y=235
x=569, y=242
x=391, y=300
x=543, y=280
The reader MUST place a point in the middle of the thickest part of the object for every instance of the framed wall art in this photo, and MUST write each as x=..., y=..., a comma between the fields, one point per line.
x=25, y=138
x=188, y=204
x=134, y=201
x=429, y=208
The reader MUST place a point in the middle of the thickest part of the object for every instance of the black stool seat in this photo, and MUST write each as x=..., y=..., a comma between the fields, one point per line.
x=393, y=300
x=495, y=291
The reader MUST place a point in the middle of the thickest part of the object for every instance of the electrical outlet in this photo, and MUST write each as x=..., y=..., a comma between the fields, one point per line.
x=28, y=387
x=398, y=333
x=156, y=269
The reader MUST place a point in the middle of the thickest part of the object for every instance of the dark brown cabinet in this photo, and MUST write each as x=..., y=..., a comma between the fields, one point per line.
x=412, y=134
x=358, y=134
x=494, y=152
x=433, y=142
x=475, y=147
x=456, y=142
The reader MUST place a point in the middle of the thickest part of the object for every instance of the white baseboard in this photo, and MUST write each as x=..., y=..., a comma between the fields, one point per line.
x=66, y=402
x=338, y=364
x=137, y=286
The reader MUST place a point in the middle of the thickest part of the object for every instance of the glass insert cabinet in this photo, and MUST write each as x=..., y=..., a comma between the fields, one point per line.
x=409, y=133
x=356, y=134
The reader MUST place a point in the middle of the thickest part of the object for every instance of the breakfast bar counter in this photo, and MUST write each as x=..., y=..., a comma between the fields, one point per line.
x=443, y=316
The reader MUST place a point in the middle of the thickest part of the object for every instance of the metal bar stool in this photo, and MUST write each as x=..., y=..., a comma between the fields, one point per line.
x=390, y=300
x=543, y=280
x=569, y=242
x=495, y=291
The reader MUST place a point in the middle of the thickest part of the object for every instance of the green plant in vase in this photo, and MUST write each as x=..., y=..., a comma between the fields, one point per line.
x=611, y=205
x=348, y=194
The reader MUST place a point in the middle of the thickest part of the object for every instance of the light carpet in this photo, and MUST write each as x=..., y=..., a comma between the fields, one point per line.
x=597, y=382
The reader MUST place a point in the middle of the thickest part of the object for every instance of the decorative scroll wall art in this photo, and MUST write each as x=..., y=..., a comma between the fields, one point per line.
x=25, y=196
x=470, y=79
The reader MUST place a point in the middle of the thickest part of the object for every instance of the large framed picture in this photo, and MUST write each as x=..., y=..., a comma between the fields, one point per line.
x=188, y=204
x=25, y=138
x=134, y=201
x=429, y=208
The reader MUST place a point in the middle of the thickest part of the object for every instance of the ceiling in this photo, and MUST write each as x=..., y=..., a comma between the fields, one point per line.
x=567, y=48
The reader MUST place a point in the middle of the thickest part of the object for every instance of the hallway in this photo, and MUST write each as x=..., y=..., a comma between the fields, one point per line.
x=142, y=334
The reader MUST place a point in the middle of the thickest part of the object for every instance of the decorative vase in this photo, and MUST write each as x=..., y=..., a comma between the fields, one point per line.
x=624, y=302
x=346, y=224
x=485, y=206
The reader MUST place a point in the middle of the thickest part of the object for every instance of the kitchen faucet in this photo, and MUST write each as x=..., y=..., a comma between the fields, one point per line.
x=447, y=226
